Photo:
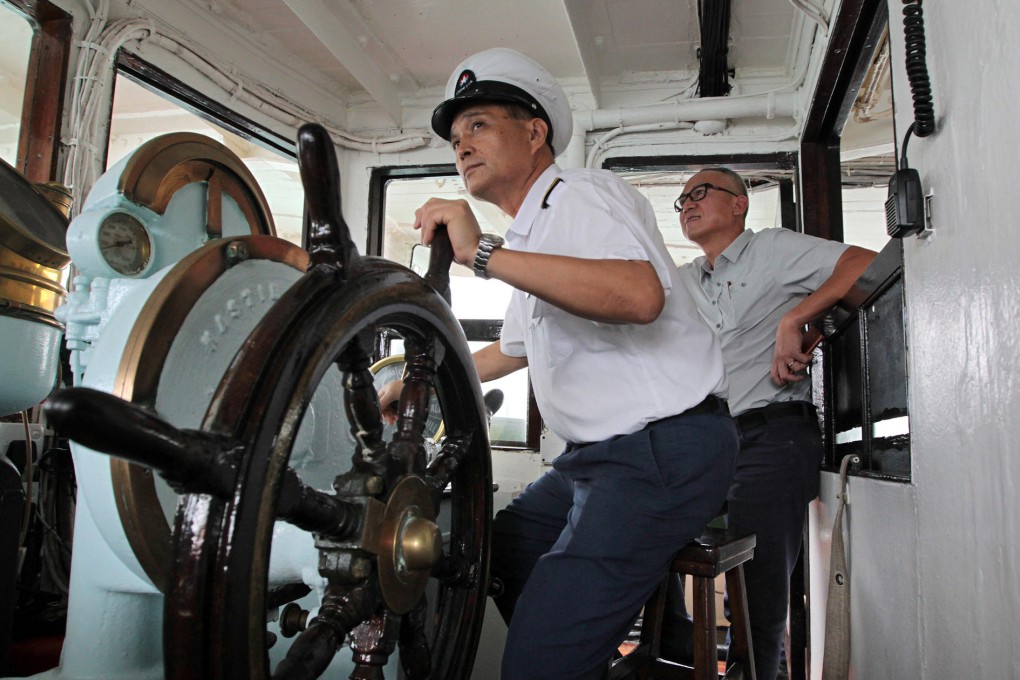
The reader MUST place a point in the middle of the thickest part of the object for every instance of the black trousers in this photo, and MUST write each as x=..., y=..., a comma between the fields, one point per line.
x=777, y=475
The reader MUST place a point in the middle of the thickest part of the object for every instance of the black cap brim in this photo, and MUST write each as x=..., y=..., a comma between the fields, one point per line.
x=484, y=91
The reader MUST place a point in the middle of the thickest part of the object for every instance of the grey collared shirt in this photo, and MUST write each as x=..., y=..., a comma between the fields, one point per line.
x=755, y=281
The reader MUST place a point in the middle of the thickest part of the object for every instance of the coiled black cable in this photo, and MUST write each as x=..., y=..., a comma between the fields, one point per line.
x=917, y=68
x=714, y=25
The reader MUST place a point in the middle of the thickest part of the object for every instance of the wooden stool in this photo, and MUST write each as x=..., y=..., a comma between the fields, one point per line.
x=716, y=552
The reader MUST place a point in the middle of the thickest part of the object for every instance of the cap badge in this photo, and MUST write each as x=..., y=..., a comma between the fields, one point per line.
x=466, y=80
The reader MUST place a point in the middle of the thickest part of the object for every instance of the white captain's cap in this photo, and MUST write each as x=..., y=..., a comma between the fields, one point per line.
x=504, y=75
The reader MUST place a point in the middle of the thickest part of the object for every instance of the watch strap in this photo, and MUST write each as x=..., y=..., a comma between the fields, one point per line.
x=486, y=244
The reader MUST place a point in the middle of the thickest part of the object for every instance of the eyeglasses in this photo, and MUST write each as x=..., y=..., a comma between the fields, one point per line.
x=697, y=193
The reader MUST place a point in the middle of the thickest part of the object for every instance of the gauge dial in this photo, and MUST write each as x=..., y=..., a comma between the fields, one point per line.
x=392, y=368
x=124, y=243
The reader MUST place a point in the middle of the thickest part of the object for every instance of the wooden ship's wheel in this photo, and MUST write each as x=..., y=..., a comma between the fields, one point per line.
x=395, y=581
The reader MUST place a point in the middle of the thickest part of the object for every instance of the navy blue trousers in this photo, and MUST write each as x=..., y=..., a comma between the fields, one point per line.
x=582, y=548
x=777, y=476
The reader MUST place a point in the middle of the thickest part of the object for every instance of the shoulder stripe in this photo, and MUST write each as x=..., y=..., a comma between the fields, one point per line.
x=545, y=199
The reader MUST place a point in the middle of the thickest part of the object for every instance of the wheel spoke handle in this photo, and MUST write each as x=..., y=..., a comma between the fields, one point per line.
x=372, y=644
x=412, y=408
x=313, y=650
x=440, y=470
x=316, y=511
x=361, y=404
x=440, y=259
x=327, y=236
x=191, y=462
x=284, y=594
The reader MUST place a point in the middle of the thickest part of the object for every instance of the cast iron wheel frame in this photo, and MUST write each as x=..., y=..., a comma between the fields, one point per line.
x=235, y=481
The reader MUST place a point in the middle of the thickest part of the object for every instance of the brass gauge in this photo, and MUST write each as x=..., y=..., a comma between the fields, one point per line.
x=124, y=243
x=391, y=368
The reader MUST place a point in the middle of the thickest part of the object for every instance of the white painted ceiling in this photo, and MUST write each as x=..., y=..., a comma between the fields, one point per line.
x=611, y=54
x=390, y=49
x=614, y=53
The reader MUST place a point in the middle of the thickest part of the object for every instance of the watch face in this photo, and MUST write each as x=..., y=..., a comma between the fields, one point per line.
x=392, y=368
x=124, y=243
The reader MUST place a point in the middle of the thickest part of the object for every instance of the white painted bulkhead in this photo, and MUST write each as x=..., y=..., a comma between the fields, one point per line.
x=933, y=563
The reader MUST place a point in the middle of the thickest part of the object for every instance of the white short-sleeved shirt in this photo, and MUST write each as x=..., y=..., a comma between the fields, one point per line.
x=595, y=380
x=756, y=280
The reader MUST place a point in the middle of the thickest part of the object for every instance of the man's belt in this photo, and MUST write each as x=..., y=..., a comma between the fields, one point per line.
x=758, y=417
x=710, y=405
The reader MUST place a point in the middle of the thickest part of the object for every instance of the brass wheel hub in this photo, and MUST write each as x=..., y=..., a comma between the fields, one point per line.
x=410, y=544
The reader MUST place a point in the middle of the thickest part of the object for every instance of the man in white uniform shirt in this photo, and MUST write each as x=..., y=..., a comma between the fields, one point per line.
x=622, y=366
x=757, y=291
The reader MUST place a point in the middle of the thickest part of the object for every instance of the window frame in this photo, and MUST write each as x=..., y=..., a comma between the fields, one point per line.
x=145, y=74
x=45, y=84
x=857, y=34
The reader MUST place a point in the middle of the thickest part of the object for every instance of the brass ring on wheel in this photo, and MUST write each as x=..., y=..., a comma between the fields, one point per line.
x=162, y=166
x=386, y=362
x=145, y=525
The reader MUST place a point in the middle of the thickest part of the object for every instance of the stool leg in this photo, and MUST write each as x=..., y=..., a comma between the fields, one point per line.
x=634, y=665
x=706, y=655
x=741, y=646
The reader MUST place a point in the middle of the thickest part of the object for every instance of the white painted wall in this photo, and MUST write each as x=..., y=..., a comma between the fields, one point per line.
x=934, y=563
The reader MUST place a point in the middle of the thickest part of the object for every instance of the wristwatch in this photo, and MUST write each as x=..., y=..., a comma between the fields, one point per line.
x=486, y=244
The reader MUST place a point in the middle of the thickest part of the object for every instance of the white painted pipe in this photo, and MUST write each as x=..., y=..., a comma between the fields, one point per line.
x=768, y=105
x=815, y=14
x=602, y=143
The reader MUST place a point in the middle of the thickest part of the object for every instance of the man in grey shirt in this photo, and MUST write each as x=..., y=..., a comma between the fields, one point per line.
x=757, y=291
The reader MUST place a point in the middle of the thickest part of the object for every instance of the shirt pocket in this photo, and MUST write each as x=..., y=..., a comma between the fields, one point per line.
x=550, y=335
x=745, y=305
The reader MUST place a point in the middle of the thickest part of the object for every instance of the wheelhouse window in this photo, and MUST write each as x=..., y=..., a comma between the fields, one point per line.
x=15, y=48
x=479, y=304
x=865, y=360
x=772, y=203
x=661, y=188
